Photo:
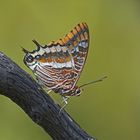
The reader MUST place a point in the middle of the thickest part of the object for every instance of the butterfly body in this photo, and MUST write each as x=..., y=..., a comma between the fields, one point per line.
x=59, y=64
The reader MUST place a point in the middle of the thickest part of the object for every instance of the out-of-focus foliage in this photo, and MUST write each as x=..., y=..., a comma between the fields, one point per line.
x=109, y=110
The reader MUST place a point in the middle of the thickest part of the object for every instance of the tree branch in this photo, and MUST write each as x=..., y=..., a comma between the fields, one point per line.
x=22, y=89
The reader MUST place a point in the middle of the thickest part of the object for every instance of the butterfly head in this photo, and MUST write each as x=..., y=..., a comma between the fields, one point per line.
x=76, y=91
x=32, y=59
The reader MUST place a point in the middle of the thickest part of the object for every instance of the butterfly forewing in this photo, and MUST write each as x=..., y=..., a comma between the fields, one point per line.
x=64, y=60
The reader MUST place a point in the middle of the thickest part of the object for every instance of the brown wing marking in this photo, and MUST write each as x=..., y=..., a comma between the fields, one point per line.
x=76, y=42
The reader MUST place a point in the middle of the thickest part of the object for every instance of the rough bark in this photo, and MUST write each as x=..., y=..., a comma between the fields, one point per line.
x=22, y=89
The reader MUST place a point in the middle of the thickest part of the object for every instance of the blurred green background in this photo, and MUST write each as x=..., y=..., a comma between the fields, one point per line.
x=109, y=110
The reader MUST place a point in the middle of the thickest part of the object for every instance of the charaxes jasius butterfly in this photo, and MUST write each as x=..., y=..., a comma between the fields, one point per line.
x=59, y=64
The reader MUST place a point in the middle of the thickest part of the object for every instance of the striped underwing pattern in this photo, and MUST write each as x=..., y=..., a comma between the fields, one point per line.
x=59, y=64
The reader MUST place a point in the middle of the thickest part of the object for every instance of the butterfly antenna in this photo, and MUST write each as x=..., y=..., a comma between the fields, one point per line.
x=92, y=82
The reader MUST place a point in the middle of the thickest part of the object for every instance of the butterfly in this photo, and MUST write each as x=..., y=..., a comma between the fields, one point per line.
x=59, y=64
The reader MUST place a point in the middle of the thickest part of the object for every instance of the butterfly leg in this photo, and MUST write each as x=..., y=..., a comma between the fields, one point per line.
x=65, y=101
x=40, y=83
x=65, y=98
x=49, y=91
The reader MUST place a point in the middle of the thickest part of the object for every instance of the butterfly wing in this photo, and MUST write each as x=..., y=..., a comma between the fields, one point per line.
x=77, y=42
x=64, y=60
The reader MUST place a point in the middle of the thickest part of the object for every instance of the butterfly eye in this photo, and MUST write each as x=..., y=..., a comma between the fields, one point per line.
x=29, y=59
x=37, y=56
x=78, y=91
